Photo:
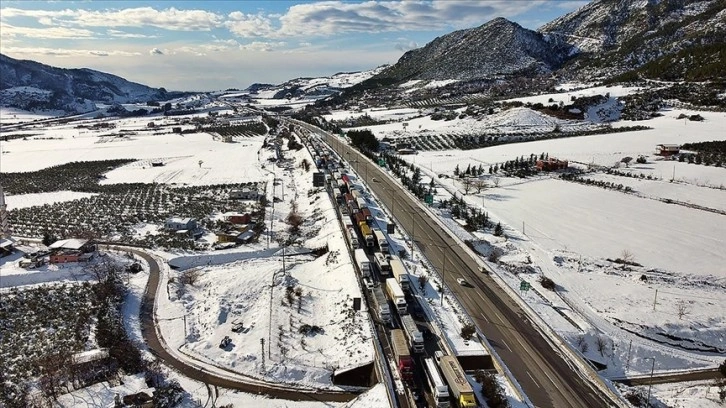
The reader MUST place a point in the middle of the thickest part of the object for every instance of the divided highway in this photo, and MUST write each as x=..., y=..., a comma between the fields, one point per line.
x=544, y=374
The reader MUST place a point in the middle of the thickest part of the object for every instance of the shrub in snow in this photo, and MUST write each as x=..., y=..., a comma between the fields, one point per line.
x=467, y=331
x=547, y=283
x=492, y=390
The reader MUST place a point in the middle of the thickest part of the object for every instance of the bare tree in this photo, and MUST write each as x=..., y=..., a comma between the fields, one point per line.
x=422, y=279
x=295, y=220
x=626, y=160
x=496, y=181
x=467, y=184
x=190, y=276
x=602, y=344
x=627, y=257
x=480, y=185
x=683, y=308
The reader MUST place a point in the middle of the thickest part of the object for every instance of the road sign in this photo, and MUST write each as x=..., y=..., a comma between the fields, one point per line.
x=429, y=199
x=382, y=162
x=524, y=286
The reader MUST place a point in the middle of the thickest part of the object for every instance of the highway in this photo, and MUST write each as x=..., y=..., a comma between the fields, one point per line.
x=148, y=323
x=543, y=373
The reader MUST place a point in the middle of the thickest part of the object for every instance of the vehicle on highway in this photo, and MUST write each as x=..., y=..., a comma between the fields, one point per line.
x=367, y=282
x=462, y=281
x=374, y=179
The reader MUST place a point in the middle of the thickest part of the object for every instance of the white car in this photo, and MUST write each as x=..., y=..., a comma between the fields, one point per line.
x=462, y=281
x=368, y=284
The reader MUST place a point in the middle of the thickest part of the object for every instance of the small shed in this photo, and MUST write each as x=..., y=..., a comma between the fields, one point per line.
x=667, y=149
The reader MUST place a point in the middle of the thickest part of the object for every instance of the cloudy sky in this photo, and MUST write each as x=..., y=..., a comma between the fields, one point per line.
x=212, y=45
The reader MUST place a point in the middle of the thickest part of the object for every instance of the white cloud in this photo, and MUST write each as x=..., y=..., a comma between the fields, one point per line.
x=262, y=46
x=169, y=19
x=123, y=34
x=249, y=25
x=39, y=51
x=9, y=31
x=403, y=44
x=156, y=51
x=334, y=17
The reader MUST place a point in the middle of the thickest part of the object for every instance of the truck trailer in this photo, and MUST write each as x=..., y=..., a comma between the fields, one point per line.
x=404, y=362
x=413, y=335
x=384, y=311
x=458, y=384
x=400, y=273
x=364, y=264
x=395, y=294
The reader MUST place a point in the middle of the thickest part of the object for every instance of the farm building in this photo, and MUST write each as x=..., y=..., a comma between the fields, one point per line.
x=667, y=149
x=71, y=250
x=551, y=164
x=239, y=218
x=180, y=224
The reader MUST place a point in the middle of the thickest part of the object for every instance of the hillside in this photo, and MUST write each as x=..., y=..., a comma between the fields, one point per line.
x=31, y=85
x=499, y=47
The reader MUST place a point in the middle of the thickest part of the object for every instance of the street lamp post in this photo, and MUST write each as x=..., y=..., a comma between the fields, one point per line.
x=443, y=277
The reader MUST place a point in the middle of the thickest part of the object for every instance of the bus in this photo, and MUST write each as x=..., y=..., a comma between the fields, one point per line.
x=382, y=263
x=439, y=390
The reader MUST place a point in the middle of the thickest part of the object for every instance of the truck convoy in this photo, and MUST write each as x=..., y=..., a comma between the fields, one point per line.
x=413, y=335
x=455, y=377
x=384, y=312
x=400, y=273
x=364, y=264
x=404, y=362
x=395, y=294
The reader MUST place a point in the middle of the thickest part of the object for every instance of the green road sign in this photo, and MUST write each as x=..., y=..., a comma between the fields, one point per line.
x=429, y=199
x=381, y=162
x=524, y=286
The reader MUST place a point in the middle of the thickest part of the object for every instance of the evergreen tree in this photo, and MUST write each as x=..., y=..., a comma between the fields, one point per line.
x=498, y=230
x=490, y=169
x=456, y=170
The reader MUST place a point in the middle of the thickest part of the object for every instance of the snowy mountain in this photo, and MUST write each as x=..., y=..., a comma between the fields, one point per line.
x=616, y=36
x=31, y=85
x=499, y=47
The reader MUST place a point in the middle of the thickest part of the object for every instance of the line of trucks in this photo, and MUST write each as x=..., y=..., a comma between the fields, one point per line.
x=397, y=283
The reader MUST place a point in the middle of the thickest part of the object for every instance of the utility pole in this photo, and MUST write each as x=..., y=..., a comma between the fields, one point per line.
x=443, y=277
x=650, y=383
x=413, y=235
x=655, y=299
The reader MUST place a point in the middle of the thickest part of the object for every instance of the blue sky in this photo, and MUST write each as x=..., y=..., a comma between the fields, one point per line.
x=212, y=45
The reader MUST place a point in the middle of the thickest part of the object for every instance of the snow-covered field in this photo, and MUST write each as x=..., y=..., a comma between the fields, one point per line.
x=569, y=231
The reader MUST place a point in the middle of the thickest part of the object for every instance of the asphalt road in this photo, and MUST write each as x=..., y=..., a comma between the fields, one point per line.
x=154, y=344
x=545, y=376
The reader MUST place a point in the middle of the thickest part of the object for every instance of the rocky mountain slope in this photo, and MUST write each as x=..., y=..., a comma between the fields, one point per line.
x=603, y=39
x=499, y=47
x=31, y=85
x=617, y=36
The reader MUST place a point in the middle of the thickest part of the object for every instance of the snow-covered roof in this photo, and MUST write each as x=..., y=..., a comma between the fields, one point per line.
x=72, y=243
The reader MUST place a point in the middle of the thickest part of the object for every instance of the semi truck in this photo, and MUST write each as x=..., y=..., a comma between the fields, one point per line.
x=381, y=240
x=404, y=362
x=381, y=260
x=352, y=238
x=460, y=388
x=365, y=231
x=384, y=311
x=413, y=335
x=395, y=294
x=364, y=264
x=400, y=273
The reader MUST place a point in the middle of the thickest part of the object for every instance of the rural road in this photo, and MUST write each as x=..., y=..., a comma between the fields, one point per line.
x=148, y=323
x=544, y=374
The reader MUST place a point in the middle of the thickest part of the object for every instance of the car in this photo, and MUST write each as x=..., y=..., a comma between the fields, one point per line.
x=462, y=281
x=368, y=284
x=374, y=179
